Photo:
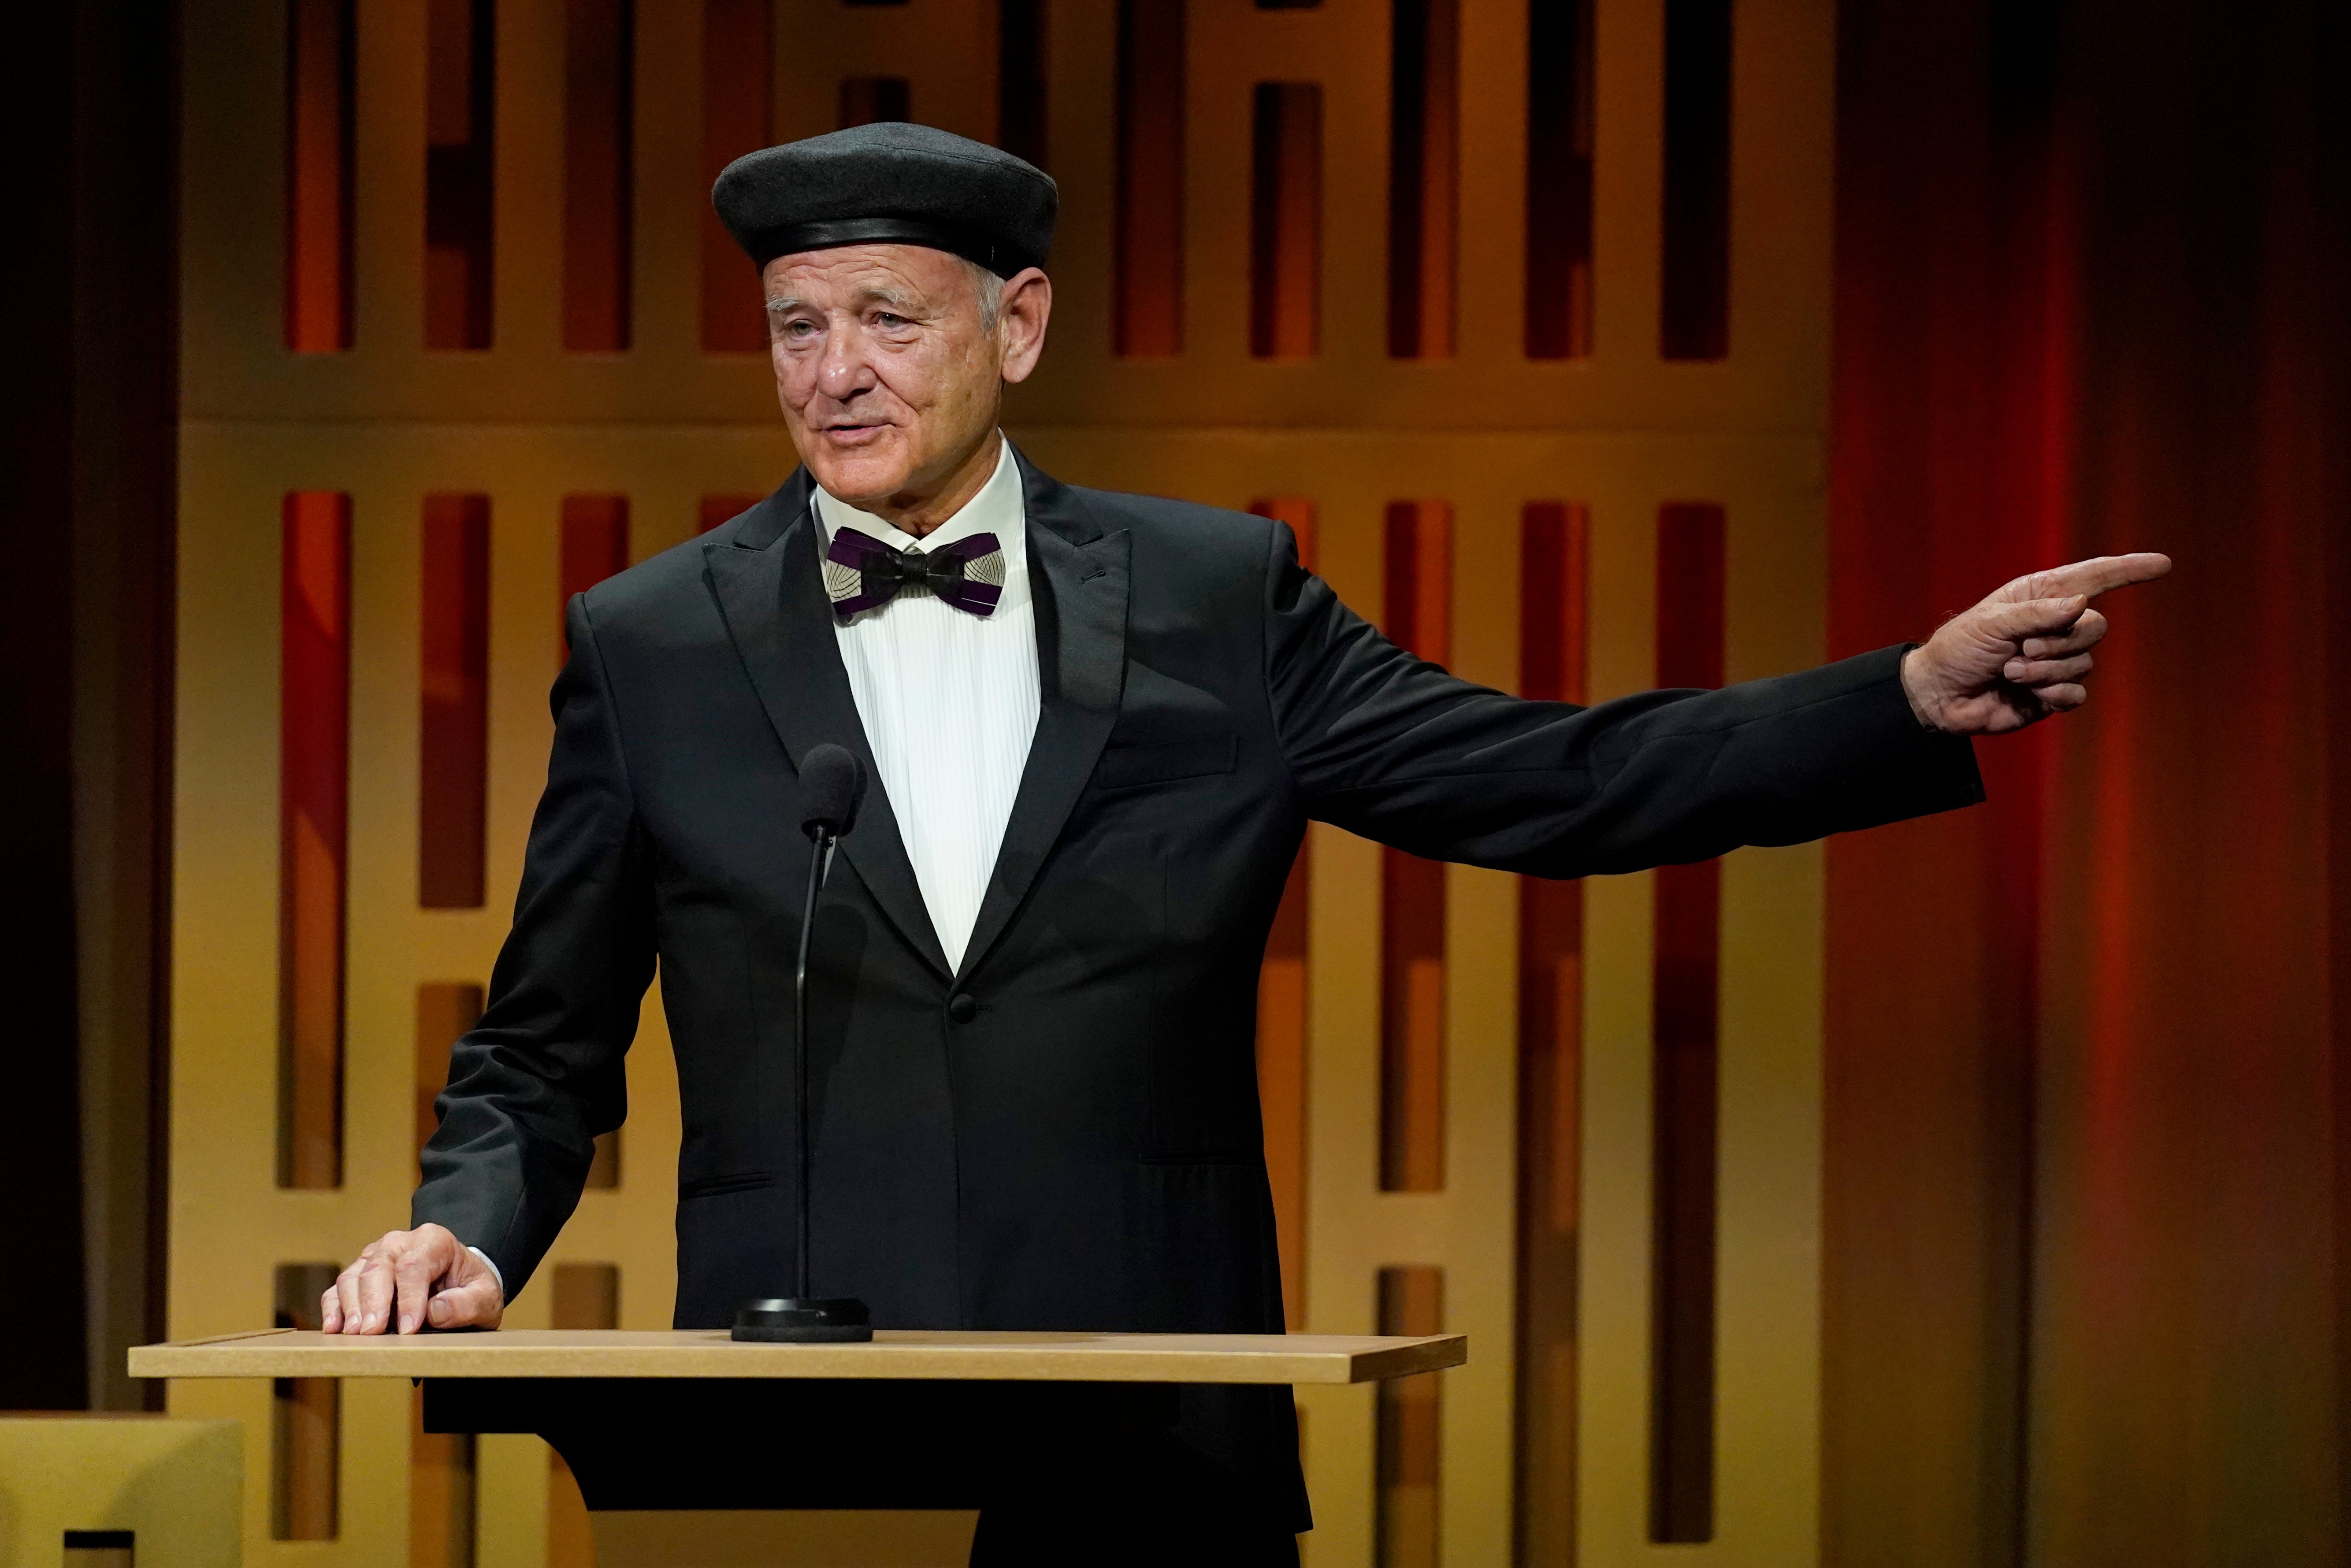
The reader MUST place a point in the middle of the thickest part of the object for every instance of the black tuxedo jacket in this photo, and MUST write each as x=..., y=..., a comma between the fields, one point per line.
x=1064, y=1134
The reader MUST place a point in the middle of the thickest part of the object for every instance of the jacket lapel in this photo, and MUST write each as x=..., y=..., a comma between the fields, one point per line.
x=765, y=574
x=1078, y=575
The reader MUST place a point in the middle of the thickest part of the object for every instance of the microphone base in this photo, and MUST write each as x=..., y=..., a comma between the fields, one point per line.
x=803, y=1319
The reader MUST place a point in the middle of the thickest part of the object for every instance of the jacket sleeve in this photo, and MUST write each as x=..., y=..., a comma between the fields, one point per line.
x=1394, y=748
x=541, y=1075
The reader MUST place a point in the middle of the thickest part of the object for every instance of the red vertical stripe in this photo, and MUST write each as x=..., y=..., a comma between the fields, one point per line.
x=738, y=117
x=1558, y=180
x=1552, y=659
x=1286, y=220
x=1020, y=82
x=712, y=510
x=599, y=155
x=1687, y=1069
x=1408, y=1428
x=1148, y=285
x=320, y=125
x=1694, y=288
x=595, y=545
x=460, y=173
x=1412, y=890
x=1282, y=1016
x=1298, y=512
x=313, y=770
x=453, y=740
x=1690, y=595
x=1424, y=117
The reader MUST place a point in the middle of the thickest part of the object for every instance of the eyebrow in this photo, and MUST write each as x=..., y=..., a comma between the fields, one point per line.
x=895, y=299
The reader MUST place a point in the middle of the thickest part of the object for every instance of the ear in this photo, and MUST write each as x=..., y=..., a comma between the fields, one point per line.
x=1020, y=323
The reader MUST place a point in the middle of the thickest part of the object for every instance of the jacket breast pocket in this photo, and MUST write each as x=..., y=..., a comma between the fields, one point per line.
x=1132, y=766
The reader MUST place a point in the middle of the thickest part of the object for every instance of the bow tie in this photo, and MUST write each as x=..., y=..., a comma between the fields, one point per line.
x=861, y=572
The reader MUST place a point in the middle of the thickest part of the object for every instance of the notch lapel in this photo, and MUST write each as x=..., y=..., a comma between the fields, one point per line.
x=771, y=595
x=1078, y=575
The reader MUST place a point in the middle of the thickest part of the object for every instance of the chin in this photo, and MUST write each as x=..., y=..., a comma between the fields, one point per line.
x=857, y=476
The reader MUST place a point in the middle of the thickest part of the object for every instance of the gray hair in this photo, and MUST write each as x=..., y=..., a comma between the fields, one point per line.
x=990, y=290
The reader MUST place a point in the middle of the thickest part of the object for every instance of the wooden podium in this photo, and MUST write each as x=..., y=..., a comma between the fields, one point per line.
x=694, y=1452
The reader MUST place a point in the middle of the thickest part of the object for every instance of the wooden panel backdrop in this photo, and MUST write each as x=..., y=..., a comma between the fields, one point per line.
x=1326, y=320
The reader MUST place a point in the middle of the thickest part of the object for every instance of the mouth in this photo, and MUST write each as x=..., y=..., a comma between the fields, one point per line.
x=853, y=435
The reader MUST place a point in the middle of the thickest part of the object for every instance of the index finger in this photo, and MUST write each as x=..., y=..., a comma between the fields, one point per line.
x=414, y=1274
x=2098, y=576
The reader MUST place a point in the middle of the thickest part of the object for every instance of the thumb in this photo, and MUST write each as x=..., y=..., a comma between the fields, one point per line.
x=474, y=1304
x=2032, y=617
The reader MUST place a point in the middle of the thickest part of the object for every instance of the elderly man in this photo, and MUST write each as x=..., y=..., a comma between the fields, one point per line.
x=1099, y=724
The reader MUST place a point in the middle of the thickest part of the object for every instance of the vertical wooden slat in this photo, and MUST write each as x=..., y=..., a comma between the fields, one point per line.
x=1282, y=1016
x=1694, y=285
x=1020, y=95
x=1286, y=219
x=598, y=179
x=1408, y=1422
x=460, y=169
x=320, y=133
x=453, y=740
x=1551, y=668
x=865, y=99
x=1558, y=180
x=1419, y=552
x=1687, y=1067
x=738, y=71
x=314, y=768
x=1147, y=286
x=1424, y=177
x=306, y=1420
x=440, y=1493
x=584, y=1296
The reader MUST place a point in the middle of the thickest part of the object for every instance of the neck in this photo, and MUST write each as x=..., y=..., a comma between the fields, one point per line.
x=919, y=512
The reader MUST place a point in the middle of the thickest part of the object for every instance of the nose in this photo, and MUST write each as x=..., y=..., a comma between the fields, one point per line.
x=843, y=370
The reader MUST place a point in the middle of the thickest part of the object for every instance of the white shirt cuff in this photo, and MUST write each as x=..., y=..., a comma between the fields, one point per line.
x=493, y=1267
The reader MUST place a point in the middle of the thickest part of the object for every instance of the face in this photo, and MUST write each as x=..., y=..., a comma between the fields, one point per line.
x=889, y=380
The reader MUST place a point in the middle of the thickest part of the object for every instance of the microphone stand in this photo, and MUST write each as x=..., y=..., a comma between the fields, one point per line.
x=801, y=1319
x=822, y=842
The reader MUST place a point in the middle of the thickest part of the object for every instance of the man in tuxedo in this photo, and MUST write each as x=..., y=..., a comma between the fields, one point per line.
x=1099, y=724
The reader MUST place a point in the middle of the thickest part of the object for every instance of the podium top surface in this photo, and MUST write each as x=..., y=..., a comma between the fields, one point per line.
x=982, y=1356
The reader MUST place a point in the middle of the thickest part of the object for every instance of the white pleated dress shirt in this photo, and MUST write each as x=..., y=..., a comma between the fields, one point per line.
x=949, y=701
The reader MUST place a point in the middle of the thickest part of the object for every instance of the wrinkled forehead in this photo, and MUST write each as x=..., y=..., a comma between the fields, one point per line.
x=842, y=276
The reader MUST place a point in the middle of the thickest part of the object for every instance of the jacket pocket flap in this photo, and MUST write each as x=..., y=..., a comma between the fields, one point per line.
x=1125, y=766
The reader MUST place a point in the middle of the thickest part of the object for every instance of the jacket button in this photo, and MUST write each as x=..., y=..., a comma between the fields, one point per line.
x=962, y=1008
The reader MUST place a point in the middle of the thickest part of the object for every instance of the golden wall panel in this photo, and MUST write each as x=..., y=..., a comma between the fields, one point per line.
x=664, y=424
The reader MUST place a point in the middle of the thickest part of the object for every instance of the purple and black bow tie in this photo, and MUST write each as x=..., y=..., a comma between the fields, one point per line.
x=861, y=572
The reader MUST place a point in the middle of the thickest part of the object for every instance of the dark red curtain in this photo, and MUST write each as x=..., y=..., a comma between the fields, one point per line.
x=2086, y=1204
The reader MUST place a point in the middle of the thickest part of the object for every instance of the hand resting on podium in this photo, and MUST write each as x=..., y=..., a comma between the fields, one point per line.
x=420, y=1276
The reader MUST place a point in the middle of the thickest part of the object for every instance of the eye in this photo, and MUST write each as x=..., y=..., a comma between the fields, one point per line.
x=889, y=318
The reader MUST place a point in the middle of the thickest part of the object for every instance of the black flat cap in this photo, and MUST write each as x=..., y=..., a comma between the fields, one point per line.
x=885, y=182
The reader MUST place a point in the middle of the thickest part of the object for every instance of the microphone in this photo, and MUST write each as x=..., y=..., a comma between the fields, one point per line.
x=832, y=783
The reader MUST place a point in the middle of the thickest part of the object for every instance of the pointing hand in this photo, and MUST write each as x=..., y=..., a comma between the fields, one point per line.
x=2022, y=654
